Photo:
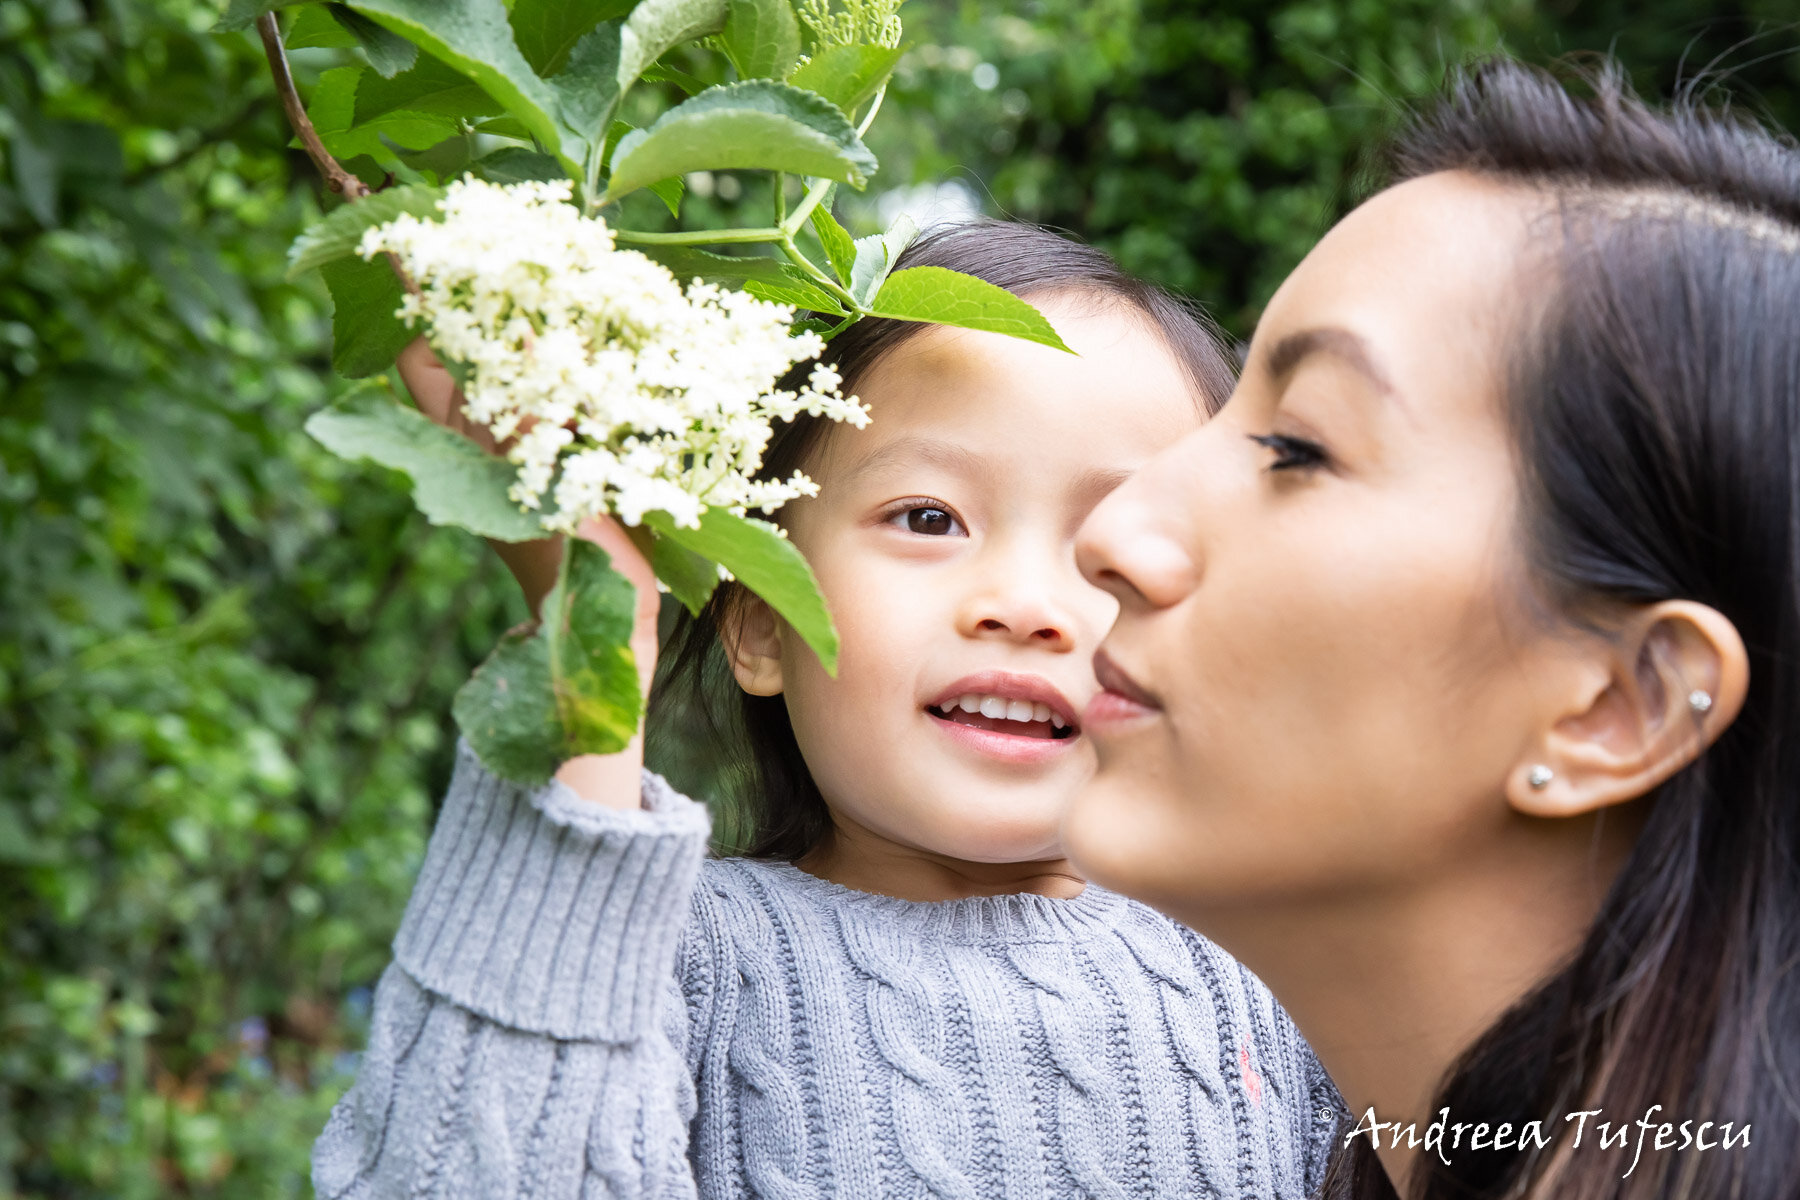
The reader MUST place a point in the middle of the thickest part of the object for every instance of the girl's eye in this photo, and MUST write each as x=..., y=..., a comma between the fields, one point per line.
x=928, y=519
x=1291, y=453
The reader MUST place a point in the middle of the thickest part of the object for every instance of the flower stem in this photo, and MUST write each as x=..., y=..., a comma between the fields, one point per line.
x=700, y=237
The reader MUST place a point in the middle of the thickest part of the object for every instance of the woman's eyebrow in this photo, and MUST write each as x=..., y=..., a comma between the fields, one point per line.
x=915, y=448
x=1285, y=357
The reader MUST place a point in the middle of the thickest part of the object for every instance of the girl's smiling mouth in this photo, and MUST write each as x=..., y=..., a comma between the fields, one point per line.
x=1014, y=717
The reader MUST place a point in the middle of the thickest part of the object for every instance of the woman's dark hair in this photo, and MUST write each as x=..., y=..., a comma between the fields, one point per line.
x=1655, y=408
x=783, y=816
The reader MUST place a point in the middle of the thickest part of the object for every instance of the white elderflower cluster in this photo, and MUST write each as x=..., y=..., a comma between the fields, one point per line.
x=625, y=393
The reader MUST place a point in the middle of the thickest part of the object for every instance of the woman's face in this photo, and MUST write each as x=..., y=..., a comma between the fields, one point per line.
x=1321, y=590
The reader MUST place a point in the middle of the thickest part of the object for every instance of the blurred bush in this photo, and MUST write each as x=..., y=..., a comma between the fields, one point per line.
x=226, y=657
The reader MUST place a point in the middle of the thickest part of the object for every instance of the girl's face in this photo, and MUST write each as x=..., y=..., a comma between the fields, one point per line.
x=1322, y=593
x=943, y=539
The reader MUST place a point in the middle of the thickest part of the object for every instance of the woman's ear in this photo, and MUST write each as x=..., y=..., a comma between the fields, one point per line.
x=1672, y=680
x=751, y=634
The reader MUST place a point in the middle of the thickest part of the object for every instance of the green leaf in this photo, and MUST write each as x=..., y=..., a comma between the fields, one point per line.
x=670, y=191
x=366, y=336
x=242, y=14
x=758, y=125
x=546, y=30
x=389, y=53
x=876, y=256
x=795, y=289
x=338, y=233
x=840, y=248
x=515, y=164
x=314, y=26
x=847, y=75
x=690, y=85
x=333, y=113
x=952, y=298
x=430, y=88
x=686, y=263
x=767, y=564
x=443, y=162
x=454, y=482
x=691, y=578
x=657, y=26
x=588, y=618
x=507, y=711
x=587, y=91
x=762, y=38
x=473, y=36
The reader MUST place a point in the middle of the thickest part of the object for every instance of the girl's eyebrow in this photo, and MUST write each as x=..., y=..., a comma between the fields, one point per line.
x=916, y=448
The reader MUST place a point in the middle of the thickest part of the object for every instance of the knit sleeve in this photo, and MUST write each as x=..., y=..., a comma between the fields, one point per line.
x=520, y=1041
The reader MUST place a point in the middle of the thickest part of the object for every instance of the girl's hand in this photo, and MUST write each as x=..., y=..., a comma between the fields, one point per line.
x=610, y=779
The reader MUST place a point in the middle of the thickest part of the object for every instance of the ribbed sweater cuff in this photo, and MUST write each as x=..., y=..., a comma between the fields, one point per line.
x=548, y=913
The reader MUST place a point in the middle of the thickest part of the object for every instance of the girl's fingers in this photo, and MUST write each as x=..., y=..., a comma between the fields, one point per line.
x=435, y=392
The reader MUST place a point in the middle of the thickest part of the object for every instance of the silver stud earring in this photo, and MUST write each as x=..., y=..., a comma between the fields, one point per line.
x=1540, y=777
x=1699, y=701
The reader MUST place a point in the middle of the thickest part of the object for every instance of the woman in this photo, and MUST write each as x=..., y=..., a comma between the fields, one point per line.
x=1456, y=686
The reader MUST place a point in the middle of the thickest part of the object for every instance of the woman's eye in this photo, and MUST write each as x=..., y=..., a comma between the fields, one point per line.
x=1291, y=453
x=928, y=519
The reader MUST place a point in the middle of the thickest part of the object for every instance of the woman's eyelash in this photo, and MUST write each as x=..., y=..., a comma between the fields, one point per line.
x=1291, y=453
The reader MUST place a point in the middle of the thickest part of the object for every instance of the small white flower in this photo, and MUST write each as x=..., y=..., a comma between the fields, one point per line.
x=634, y=395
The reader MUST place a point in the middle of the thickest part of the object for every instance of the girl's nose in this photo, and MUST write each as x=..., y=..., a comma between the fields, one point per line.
x=1021, y=608
x=1129, y=548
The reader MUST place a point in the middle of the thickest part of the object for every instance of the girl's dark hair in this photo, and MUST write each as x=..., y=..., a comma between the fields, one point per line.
x=781, y=814
x=1655, y=407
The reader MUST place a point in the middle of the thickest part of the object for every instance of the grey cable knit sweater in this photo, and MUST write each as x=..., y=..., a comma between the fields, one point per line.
x=580, y=1006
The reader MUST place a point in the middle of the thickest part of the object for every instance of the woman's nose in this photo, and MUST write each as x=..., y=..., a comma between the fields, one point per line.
x=1126, y=547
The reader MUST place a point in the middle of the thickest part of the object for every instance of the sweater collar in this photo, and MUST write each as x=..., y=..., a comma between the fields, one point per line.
x=1007, y=919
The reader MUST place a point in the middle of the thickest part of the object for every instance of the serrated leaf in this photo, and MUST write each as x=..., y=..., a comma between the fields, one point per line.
x=758, y=125
x=430, y=88
x=840, y=247
x=876, y=256
x=474, y=37
x=767, y=564
x=587, y=91
x=690, y=85
x=507, y=711
x=388, y=52
x=657, y=26
x=515, y=164
x=686, y=263
x=847, y=75
x=366, y=336
x=691, y=578
x=241, y=14
x=947, y=297
x=546, y=30
x=454, y=482
x=797, y=290
x=670, y=191
x=442, y=162
x=314, y=26
x=338, y=233
x=762, y=38
x=588, y=619
x=332, y=110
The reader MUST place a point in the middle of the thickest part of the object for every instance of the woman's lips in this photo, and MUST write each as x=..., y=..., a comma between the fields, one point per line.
x=1121, y=698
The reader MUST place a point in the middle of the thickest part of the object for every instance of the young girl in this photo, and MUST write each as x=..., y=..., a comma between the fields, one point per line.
x=905, y=990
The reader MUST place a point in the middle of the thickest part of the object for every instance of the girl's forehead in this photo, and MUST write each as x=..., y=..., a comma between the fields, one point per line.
x=980, y=405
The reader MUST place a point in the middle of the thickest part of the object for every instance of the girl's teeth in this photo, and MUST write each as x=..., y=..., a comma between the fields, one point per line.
x=1001, y=709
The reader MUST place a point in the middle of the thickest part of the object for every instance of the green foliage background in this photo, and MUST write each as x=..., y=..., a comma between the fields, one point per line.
x=226, y=657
